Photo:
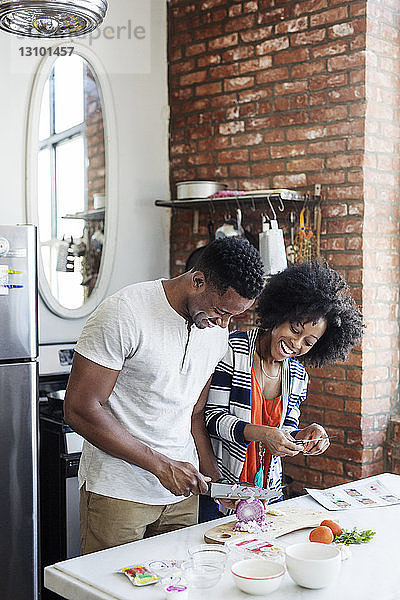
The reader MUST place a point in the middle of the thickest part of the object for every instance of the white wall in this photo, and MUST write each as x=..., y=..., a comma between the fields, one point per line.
x=137, y=71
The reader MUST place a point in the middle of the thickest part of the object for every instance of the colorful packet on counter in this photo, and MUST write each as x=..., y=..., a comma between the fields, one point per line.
x=139, y=575
x=152, y=572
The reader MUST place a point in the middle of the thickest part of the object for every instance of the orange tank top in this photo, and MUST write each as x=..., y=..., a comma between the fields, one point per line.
x=263, y=412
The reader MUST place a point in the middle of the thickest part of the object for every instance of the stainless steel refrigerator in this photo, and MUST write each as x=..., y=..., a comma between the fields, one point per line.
x=18, y=414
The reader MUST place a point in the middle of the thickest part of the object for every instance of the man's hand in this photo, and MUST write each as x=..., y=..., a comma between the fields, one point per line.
x=181, y=478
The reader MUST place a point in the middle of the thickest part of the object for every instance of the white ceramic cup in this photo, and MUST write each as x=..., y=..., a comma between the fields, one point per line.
x=313, y=565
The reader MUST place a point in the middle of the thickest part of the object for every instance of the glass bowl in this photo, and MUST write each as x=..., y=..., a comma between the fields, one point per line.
x=202, y=575
x=208, y=554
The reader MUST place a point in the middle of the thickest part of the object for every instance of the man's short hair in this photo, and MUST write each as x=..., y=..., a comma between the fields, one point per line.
x=232, y=262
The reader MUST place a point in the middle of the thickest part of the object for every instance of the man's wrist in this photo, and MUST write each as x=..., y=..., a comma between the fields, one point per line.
x=159, y=463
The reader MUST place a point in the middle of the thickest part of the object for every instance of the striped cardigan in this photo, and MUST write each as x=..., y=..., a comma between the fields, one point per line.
x=228, y=408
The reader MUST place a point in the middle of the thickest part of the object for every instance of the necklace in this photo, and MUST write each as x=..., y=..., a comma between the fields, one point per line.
x=259, y=479
x=266, y=374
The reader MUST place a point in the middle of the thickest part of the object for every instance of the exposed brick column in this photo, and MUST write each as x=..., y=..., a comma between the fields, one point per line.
x=381, y=234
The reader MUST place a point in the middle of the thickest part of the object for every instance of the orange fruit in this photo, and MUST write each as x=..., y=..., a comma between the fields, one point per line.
x=334, y=527
x=321, y=534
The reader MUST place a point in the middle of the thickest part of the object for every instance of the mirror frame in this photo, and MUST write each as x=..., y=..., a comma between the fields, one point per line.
x=111, y=153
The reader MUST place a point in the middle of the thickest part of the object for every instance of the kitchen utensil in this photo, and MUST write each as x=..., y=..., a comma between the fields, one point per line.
x=272, y=247
x=291, y=250
x=187, y=190
x=257, y=576
x=79, y=249
x=62, y=253
x=237, y=491
x=231, y=228
x=313, y=565
x=312, y=440
x=304, y=241
x=97, y=240
x=227, y=229
x=310, y=241
x=318, y=219
x=65, y=256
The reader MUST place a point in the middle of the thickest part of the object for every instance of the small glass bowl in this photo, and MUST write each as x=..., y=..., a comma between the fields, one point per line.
x=208, y=554
x=202, y=575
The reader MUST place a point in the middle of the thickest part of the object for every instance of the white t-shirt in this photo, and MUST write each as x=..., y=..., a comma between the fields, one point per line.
x=163, y=369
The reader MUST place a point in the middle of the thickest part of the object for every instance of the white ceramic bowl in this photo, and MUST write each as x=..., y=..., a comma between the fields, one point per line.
x=198, y=189
x=257, y=576
x=313, y=565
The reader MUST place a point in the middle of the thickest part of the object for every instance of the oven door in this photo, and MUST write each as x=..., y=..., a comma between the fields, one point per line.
x=70, y=465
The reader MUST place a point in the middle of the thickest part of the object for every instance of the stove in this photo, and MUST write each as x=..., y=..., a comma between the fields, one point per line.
x=60, y=450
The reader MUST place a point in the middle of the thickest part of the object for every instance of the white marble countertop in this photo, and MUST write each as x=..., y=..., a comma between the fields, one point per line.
x=372, y=572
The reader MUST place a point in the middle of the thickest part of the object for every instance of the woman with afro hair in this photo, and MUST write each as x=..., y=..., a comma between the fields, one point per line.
x=306, y=318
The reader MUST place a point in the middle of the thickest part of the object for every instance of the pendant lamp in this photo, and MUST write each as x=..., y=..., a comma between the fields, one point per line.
x=51, y=18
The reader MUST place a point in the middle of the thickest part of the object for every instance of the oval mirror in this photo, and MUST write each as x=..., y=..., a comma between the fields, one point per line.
x=70, y=192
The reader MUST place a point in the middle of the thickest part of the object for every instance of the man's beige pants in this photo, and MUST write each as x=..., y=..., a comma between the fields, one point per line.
x=108, y=522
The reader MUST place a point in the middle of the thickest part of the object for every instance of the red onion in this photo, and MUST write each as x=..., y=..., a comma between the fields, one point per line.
x=250, y=510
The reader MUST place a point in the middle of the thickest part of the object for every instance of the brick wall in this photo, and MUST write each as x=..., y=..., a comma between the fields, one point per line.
x=268, y=94
x=381, y=231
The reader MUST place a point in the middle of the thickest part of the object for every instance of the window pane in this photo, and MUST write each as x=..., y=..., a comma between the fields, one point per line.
x=44, y=123
x=68, y=82
x=44, y=195
x=70, y=178
x=70, y=194
x=70, y=292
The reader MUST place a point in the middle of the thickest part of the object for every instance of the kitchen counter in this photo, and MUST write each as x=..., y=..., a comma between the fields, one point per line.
x=372, y=572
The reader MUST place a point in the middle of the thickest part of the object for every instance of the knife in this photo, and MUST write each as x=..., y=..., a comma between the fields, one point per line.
x=312, y=440
x=236, y=491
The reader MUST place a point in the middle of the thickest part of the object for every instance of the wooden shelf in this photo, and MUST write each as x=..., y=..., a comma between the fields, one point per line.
x=90, y=215
x=253, y=197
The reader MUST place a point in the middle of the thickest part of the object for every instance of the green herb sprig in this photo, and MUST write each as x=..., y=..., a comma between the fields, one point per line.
x=353, y=536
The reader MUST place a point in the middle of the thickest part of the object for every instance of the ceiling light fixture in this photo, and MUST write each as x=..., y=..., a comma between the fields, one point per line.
x=51, y=18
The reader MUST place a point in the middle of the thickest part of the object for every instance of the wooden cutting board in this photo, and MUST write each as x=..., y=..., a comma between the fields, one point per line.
x=291, y=519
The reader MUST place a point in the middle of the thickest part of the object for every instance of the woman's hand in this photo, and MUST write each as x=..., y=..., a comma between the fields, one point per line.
x=311, y=432
x=278, y=442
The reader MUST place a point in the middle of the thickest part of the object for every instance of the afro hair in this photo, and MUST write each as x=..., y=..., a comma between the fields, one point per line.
x=310, y=291
x=232, y=262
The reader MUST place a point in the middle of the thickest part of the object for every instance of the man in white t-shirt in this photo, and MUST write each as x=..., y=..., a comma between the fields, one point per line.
x=144, y=357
